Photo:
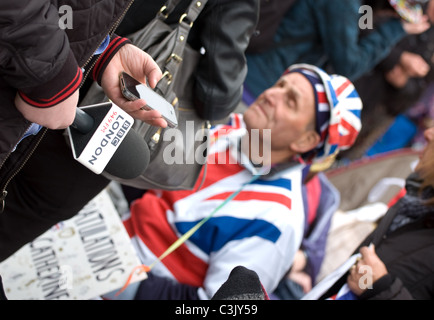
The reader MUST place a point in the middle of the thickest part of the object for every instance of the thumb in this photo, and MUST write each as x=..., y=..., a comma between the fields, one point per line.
x=367, y=251
x=151, y=70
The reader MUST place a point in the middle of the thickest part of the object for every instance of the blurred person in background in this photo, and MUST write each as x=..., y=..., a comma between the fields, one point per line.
x=397, y=83
x=399, y=252
x=325, y=33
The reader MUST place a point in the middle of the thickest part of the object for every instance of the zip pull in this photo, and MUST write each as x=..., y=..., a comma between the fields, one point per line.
x=2, y=199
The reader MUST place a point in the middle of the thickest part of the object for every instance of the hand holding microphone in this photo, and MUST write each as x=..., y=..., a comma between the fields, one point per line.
x=101, y=135
x=106, y=129
x=130, y=157
x=56, y=117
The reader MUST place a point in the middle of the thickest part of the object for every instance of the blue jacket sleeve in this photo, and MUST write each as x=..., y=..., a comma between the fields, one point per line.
x=351, y=55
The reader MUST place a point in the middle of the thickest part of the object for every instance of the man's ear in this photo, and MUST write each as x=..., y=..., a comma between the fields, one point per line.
x=308, y=141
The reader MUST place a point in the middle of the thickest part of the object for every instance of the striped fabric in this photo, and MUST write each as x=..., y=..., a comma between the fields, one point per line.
x=260, y=229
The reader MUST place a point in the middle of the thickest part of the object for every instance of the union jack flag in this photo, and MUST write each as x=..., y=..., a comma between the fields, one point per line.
x=345, y=107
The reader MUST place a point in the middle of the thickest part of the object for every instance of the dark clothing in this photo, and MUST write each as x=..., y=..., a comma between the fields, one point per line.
x=2, y=291
x=223, y=29
x=159, y=288
x=396, y=100
x=51, y=187
x=410, y=264
x=324, y=33
x=407, y=251
x=43, y=63
x=271, y=13
x=317, y=227
x=38, y=59
x=382, y=102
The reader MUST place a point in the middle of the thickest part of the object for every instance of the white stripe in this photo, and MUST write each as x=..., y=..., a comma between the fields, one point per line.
x=312, y=74
x=194, y=207
x=323, y=107
x=319, y=87
x=324, y=127
x=278, y=255
x=352, y=104
x=147, y=258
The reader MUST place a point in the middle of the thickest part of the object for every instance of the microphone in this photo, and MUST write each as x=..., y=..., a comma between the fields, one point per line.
x=83, y=122
x=103, y=140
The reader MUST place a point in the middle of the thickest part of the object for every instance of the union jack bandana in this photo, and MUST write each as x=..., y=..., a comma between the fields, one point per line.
x=338, y=111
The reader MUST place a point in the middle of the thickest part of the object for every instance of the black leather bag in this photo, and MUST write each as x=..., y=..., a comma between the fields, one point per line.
x=177, y=154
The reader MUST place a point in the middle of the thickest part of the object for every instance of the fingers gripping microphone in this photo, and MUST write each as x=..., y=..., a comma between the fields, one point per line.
x=103, y=140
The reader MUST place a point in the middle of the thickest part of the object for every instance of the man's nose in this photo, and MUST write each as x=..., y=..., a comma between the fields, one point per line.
x=272, y=95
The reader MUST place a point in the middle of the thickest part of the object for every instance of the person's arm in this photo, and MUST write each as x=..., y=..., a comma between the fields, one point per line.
x=391, y=60
x=387, y=288
x=36, y=60
x=351, y=55
x=384, y=285
x=225, y=35
x=58, y=116
x=297, y=272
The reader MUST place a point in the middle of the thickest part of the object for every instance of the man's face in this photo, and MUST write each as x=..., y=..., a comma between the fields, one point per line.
x=428, y=153
x=287, y=108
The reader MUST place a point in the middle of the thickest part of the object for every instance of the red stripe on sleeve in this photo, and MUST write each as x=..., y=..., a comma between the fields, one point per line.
x=112, y=47
x=59, y=97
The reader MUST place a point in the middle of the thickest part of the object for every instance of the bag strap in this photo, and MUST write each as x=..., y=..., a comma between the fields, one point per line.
x=167, y=9
x=184, y=26
x=191, y=12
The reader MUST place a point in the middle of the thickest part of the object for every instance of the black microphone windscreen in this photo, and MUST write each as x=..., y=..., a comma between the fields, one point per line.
x=131, y=157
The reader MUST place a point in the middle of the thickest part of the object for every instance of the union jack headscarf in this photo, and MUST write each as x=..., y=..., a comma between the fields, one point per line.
x=338, y=111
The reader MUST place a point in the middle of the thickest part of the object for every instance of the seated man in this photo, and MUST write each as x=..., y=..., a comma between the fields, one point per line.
x=302, y=122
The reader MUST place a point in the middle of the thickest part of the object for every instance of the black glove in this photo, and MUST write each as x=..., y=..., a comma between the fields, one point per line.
x=242, y=284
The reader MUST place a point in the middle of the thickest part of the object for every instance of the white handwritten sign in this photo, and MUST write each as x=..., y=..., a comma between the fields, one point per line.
x=78, y=259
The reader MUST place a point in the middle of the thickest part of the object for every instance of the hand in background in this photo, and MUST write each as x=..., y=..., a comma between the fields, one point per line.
x=56, y=117
x=417, y=27
x=298, y=275
x=397, y=77
x=370, y=259
x=414, y=65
